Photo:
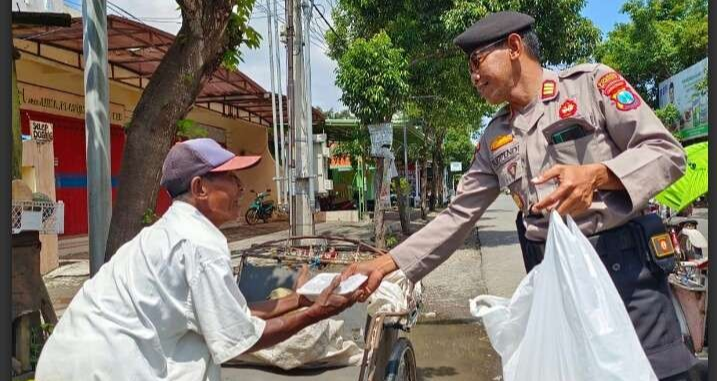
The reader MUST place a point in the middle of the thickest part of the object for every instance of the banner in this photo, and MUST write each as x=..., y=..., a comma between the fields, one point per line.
x=681, y=91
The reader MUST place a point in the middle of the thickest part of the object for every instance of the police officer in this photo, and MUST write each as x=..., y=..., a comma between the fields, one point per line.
x=581, y=141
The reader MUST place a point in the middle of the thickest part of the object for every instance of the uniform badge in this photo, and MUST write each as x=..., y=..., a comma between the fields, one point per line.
x=662, y=245
x=549, y=89
x=568, y=109
x=623, y=97
x=500, y=141
x=608, y=79
x=511, y=169
x=518, y=199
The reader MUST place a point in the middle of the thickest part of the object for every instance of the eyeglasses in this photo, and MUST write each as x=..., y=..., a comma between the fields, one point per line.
x=479, y=55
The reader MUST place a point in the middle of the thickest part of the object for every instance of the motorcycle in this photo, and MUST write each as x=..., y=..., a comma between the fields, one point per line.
x=689, y=280
x=260, y=209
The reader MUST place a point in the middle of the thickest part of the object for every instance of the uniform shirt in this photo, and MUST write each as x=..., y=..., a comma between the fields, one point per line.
x=166, y=307
x=619, y=129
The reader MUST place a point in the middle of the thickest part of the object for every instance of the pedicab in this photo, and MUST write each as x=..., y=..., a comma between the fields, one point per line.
x=387, y=353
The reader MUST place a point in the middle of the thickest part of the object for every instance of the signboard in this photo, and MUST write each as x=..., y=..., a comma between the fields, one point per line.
x=41, y=132
x=681, y=91
x=42, y=99
x=54, y=6
x=456, y=166
x=381, y=139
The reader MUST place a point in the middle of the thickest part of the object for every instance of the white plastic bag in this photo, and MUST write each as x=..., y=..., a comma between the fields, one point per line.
x=566, y=320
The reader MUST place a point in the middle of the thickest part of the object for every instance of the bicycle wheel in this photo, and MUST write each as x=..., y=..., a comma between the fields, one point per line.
x=251, y=217
x=402, y=363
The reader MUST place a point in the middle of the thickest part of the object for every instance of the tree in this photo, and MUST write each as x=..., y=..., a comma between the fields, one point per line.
x=372, y=74
x=210, y=36
x=662, y=38
x=16, y=130
x=442, y=96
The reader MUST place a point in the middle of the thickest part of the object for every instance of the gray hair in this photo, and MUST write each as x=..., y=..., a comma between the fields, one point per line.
x=531, y=43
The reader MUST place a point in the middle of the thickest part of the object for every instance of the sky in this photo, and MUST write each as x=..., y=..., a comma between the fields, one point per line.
x=163, y=14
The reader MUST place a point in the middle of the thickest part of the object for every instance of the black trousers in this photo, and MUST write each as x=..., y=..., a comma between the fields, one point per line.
x=643, y=288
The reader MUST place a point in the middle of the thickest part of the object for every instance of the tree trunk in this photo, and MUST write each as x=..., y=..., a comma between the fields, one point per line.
x=16, y=128
x=438, y=165
x=402, y=207
x=379, y=228
x=424, y=188
x=195, y=54
x=435, y=178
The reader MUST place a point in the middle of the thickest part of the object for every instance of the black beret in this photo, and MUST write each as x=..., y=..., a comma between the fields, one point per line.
x=492, y=28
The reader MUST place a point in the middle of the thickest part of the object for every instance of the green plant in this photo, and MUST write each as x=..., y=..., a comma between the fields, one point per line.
x=149, y=217
x=38, y=338
x=372, y=74
x=669, y=116
x=189, y=129
x=391, y=240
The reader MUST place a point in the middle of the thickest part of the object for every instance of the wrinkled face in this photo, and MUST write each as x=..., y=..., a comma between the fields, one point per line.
x=490, y=69
x=223, y=193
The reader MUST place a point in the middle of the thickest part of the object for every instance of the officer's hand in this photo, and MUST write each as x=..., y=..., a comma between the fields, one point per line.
x=575, y=192
x=375, y=269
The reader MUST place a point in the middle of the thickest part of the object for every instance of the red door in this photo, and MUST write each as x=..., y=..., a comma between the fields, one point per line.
x=71, y=166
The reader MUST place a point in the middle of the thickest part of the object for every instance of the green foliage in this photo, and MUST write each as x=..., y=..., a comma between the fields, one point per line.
x=458, y=145
x=566, y=36
x=703, y=85
x=38, y=338
x=240, y=33
x=391, y=240
x=372, y=74
x=358, y=145
x=669, y=115
x=149, y=217
x=441, y=93
x=662, y=38
x=187, y=128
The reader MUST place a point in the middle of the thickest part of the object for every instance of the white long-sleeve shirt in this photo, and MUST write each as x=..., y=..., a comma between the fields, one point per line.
x=166, y=307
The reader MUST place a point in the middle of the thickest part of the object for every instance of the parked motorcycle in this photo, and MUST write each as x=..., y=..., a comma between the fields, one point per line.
x=260, y=209
x=689, y=280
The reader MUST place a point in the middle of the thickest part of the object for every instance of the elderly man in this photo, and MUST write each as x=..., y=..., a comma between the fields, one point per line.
x=167, y=306
x=581, y=141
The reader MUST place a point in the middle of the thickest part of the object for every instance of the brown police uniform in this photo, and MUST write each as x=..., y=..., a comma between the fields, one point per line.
x=586, y=114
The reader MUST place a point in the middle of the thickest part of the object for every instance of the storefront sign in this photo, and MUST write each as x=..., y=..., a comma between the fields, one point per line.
x=41, y=132
x=56, y=102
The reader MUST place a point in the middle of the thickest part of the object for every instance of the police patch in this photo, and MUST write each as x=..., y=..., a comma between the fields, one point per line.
x=500, y=141
x=511, y=169
x=662, y=245
x=623, y=97
x=505, y=156
x=549, y=89
x=608, y=79
x=568, y=109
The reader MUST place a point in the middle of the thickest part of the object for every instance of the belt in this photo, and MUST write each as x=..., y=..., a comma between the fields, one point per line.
x=622, y=237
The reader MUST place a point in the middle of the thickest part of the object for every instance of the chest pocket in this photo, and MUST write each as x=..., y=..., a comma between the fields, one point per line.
x=576, y=141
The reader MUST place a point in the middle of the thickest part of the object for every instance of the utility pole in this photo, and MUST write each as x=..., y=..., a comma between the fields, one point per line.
x=277, y=155
x=289, y=6
x=284, y=157
x=302, y=220
x=97, y=126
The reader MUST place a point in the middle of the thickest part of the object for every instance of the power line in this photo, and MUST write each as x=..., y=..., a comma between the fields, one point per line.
x=324, y=18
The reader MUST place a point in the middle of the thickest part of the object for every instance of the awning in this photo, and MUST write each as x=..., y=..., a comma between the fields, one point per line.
x=134, y=53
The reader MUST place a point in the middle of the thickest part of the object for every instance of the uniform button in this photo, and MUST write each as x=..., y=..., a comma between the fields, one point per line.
x=615, y=267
